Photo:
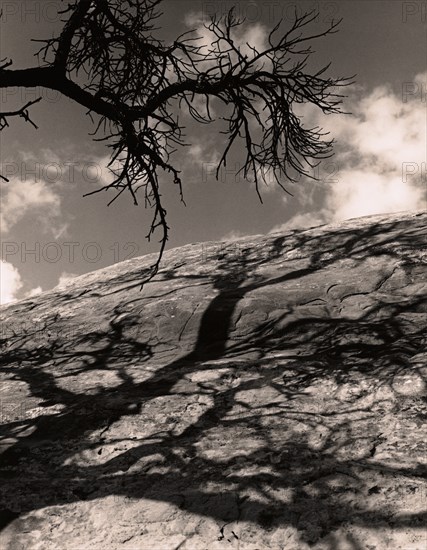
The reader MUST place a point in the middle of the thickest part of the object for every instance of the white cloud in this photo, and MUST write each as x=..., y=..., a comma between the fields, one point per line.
x=233, y=235
x=96, y=171
x=21, y=197
x=34, y=292
x=61, y=231
x=389, y=131
x=302, y=221
x=363, y=192
x=267, y=182
x=57, y=171
x=203, y=154
x=199, y=162
x=380, y=160
x=10, y=282
x=246, y=37
x=64, y=279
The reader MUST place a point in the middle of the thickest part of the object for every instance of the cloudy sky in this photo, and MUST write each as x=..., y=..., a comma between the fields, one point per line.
x=49, y=232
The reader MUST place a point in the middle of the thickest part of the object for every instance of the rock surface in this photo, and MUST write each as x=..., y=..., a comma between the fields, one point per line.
x=268, y=393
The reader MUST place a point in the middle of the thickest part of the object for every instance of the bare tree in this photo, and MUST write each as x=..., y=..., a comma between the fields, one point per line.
x=106, y=58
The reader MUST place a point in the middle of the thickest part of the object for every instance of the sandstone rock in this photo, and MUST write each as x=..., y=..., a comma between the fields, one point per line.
x=272, y=397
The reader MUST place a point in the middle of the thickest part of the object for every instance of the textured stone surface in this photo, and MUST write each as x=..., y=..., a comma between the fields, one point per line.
x=264, y=394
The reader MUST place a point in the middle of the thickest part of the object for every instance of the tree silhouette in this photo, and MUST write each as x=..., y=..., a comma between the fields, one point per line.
x=107, y=58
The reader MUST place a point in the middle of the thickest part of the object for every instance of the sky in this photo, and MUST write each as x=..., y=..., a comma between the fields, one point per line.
x=50, y=232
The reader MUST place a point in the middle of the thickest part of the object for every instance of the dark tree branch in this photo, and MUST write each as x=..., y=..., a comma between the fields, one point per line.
x=64, y=42
x=22, y=112
x=107, y=59
x=49, y=77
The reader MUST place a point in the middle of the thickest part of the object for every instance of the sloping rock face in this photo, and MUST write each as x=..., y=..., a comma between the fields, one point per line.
x=262, y=394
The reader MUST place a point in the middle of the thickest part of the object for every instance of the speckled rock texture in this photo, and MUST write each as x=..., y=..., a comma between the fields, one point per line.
x=266, y=393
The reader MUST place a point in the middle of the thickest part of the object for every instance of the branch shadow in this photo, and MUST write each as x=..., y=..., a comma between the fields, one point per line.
x=238, y=428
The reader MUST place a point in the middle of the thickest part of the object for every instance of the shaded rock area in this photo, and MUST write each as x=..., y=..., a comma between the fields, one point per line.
x=267, y=393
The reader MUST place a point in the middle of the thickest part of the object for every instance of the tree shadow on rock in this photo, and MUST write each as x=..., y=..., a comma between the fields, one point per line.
x=271, y=419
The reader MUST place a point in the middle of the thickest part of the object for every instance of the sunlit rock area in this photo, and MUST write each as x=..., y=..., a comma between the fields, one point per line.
x=265, y=393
